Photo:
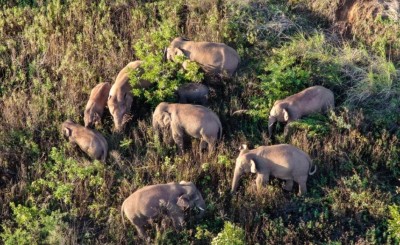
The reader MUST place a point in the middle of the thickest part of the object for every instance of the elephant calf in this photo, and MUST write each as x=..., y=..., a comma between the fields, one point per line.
x=311, y=100
x=120, y=98
x=89, y=140
x=146, y=203
x=216, y=58
x=95, y=106
x=193, y=93
x=282, y=161
x=194, y=120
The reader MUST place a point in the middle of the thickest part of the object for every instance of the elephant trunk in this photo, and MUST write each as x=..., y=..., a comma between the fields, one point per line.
x=235, y=181
x=271, y=123
x=201, y=205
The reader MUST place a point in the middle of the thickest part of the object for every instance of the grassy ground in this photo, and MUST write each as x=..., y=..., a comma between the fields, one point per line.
x=53, y=52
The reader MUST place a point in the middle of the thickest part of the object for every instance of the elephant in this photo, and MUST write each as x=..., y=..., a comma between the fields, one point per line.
x=214, y=58
x=95, y=106
x=193, y=93
x=194, y=120
x=283, y=161
x=89, y=140
x=311, y=100
x=147, y=202
x=120, y=98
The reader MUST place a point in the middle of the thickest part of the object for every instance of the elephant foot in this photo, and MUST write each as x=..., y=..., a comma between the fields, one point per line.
x=288, y=185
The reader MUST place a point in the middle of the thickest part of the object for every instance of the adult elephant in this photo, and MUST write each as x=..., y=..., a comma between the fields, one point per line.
x=283, y=161
x=194, y=120
x=120, y=98
x=146, y=203
x=214, y=58
x=311, y=100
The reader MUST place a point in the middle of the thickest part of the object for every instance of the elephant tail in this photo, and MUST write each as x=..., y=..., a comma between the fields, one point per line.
x=315, y=168
x=122, y=215
x=220, y=129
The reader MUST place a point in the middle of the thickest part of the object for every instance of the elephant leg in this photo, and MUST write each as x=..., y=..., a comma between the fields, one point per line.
x=139, y=224
x=262, y=181
x=177, y=135
x=203, y=145
x=288, y=185
x=302, y=181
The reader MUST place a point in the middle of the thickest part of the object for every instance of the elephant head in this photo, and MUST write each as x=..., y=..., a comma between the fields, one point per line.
x=67, y=127
x=191, y=198
x=244, y=163
x=120, y=105
x=90, y=118
x=161, y=116
x=174, y=48
x=279, y=112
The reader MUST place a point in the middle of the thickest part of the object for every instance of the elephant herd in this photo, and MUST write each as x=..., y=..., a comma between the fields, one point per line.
x=283, y=161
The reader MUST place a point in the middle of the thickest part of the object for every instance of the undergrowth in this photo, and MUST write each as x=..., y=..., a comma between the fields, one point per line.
x=53, y=52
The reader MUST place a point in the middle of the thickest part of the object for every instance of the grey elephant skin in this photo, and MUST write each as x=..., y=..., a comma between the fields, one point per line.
x=195, y=93
x=96, y=103
x=147, y=202
x=282, y=161
x=215, y=58
x=120, y=98
x=194, y=120
x=311, y=100
x=89, y=140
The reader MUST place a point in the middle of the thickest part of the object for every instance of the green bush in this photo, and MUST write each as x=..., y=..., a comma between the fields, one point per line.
x=394, y=223
x=34, y=226
x=231, y=234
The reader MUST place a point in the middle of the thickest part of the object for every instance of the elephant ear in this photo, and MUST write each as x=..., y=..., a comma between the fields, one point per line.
x=253, y=166
x=67, y=131
x=183, y=201
x=285, y=114
x=166, y=118
x=178, y=51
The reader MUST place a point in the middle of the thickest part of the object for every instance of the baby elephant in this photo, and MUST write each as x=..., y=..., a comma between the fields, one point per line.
x=89, y=140
x=147, y=202
x=95, y=106
x=194, y=120
x=311, y=100
x=216, y=58
x=196, y=93
x=282, y=161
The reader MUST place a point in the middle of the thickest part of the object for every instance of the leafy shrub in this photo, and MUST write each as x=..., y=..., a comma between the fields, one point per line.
x=62, y=175
x=231, y=234
x=394, y=223
x=34, y=225
x=167, y=76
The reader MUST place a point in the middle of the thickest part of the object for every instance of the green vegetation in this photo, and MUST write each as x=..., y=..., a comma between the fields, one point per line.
x=53, y=52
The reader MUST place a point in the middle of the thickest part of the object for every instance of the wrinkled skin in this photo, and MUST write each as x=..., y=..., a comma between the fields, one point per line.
x=146, y=203
x=311, y=100
x=194, y=120
x=120, y=98
x=95, y=106
x=196, y=93
x=281, y=161
x=214, y=58
x=89, y=140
